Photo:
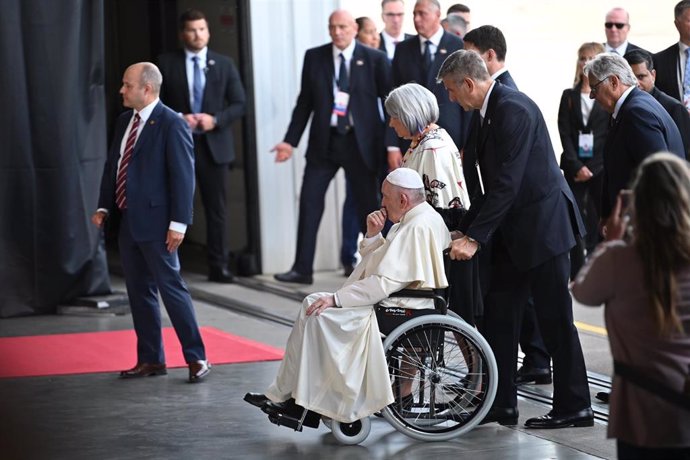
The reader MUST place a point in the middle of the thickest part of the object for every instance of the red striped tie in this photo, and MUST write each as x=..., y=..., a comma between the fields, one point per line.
x=121, y=183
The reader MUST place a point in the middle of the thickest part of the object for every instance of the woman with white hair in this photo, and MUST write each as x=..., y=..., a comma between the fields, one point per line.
x=413, y=112
x=644, y=283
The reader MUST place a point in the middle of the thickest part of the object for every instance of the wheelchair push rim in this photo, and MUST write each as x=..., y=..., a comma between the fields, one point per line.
x=452, y=372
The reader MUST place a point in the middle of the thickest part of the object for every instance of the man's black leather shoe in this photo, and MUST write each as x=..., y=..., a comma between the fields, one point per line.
x=603, y=396
x=585, y=417
x=285, y=407
x=220, y=275
x=256, y=399
x=294, y=277
x=529, y=374
x=501, y=415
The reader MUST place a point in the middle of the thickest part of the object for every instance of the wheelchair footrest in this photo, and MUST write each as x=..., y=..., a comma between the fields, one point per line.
x=295, y=417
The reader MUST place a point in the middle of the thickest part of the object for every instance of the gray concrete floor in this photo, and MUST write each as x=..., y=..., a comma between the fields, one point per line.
x=98, y=416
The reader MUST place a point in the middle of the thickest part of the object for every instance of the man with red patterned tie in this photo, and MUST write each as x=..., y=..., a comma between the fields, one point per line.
x=149, y=181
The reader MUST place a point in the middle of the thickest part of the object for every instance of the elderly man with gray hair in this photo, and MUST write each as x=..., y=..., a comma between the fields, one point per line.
x=640, y=126
x=525, y=210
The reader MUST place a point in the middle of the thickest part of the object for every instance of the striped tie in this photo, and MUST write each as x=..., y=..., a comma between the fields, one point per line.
x=686, y=79
x=121, y=183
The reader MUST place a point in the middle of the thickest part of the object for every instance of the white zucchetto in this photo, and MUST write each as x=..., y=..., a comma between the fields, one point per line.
x=405, y=178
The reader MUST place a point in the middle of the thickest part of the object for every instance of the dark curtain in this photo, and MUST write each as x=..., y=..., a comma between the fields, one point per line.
x=53, y=147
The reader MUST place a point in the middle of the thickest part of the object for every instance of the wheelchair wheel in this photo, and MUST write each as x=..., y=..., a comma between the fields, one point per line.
x=351, y=433
x=451, y=371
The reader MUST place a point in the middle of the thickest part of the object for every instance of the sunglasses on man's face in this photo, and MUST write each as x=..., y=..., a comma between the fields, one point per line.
x=619, y=25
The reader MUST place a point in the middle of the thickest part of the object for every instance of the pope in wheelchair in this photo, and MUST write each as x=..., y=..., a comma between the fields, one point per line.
x=336, y=366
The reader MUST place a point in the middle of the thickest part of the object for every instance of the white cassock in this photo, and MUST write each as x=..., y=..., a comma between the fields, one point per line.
x=334, y=363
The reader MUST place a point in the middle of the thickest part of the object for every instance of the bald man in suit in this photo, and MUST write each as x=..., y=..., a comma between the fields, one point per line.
x=149, y=182
x=342, y=83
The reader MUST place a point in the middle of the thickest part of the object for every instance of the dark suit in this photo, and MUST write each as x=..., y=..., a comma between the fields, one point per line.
x=667, y=67
x=531, y=343
x=507, y=80
x=160, y=189
x=382, y=42
x=223, y=98
x=359, y=151
x=408, y=67
x=678, y=113
x=530, y=218
x=641, y=128
x=587, y=194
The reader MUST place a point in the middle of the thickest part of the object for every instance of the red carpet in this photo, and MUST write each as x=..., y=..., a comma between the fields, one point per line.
x=113, y=351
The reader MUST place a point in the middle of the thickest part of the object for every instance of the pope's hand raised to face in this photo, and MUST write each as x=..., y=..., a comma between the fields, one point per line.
x=375, y=222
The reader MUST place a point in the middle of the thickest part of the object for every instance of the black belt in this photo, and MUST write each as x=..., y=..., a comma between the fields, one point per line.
x=334, y=131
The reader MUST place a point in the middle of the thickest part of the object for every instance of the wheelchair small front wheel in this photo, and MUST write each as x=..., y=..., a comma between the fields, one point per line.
x=351, y=433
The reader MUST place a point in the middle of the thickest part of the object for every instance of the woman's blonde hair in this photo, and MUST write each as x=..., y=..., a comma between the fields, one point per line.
x=597, y=48
x=661, y=196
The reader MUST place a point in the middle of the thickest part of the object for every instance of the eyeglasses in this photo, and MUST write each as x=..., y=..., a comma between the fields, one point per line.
x=594, y=88
x=394, y=15
x=619, y=25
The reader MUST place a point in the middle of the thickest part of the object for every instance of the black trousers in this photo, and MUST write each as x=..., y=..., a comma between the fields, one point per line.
x=588, y=198
x=318, y=174
x=509, y=290
x=211, y=179
x=531, y=342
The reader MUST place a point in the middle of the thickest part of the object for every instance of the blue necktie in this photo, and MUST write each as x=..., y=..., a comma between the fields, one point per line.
x=197, y=89
x=686, y=77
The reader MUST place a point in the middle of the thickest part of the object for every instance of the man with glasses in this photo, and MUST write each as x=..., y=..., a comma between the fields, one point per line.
x=392, y=13
x=639, y=124
x=617, y=26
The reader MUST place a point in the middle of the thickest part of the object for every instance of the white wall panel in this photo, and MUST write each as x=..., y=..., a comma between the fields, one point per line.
x=281, y=33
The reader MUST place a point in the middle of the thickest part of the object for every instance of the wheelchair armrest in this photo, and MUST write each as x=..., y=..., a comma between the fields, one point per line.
x=436, y=294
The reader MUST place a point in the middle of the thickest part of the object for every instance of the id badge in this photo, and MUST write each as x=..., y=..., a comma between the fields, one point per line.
x=340, y=103
x=585, y=144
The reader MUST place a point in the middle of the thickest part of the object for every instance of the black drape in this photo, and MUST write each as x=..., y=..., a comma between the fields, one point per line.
x=53, y=144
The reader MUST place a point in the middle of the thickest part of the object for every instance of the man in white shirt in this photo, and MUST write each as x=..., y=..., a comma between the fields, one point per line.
x=418, y=60
x=148, y=182
x=334, y=361
x=672, y=64
x=617, y=26
x=393, y=14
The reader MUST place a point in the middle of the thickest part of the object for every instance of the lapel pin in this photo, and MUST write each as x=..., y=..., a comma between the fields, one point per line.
x=359, y=62
x=152, y=122
x=442, y=51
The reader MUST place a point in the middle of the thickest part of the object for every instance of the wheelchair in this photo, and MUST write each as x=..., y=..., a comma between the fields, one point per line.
x=448, y=366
